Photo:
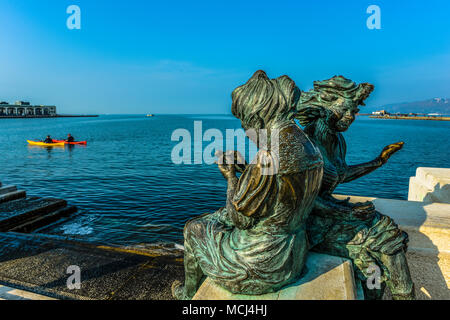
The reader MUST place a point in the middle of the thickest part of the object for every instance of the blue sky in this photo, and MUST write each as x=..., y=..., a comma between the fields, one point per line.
x=187, y=56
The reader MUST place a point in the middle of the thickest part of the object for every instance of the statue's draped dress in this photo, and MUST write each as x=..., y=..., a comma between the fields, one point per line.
x=268, y=251
x=363, y=240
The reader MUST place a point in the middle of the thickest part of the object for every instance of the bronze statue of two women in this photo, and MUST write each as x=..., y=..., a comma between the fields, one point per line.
x=281, y=206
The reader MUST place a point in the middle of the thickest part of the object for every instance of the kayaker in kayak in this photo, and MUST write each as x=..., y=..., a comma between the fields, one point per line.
x=70, y=138
x=48, y=140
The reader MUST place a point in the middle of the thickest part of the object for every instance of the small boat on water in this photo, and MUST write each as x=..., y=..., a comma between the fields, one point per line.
x=74, y=142
x=150, y=115
x=43, y=144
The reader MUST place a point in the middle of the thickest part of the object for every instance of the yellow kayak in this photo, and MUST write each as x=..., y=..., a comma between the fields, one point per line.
x=38, y=143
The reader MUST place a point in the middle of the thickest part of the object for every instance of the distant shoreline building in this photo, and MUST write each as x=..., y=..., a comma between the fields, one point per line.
x=380, y=113
x=24, y=109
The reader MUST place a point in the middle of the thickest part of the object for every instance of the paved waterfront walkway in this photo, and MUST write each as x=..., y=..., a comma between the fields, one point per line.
x=39, y=264
x=8, y=293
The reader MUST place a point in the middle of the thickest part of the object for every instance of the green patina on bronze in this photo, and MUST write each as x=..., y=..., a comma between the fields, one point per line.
x=258, y=242
x=353, y=230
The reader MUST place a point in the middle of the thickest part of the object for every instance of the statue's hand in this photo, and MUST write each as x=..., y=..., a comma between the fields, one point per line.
x=389, y=150
x=230, y=162
x=343, y=202
x=224, y=217
x=363, y=210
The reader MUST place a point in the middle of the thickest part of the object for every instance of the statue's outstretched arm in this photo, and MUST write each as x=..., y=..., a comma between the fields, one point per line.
x=356, y=171
x=359, y=170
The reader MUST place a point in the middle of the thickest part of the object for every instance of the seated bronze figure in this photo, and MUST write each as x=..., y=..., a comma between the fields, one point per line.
x=258, y=243
x=281, y=206
x=356, y=231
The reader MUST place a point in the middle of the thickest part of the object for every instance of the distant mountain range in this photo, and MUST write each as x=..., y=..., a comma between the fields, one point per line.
x=435, y=105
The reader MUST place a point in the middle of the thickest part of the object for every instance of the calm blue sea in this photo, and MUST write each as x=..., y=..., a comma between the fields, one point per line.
x=128, y=191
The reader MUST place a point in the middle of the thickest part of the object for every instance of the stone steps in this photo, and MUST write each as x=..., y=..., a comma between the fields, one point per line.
x=42, y=221
x=18, y=194
x=21, y=214
x=7, y=189
x=36, y=211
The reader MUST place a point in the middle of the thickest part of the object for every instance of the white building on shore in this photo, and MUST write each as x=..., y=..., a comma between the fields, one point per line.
x=24, y=109
x=380, y=113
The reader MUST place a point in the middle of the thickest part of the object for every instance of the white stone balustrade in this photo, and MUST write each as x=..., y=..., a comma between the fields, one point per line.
x=430, y=185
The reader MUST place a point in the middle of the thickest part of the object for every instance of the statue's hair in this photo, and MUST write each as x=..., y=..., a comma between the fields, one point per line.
x=261, y=100
x=313, y=104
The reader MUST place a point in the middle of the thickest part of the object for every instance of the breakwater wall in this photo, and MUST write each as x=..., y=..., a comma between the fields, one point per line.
x=411, y=118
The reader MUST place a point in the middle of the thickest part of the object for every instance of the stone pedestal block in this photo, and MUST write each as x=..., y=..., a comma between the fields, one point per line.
x=326, y=278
